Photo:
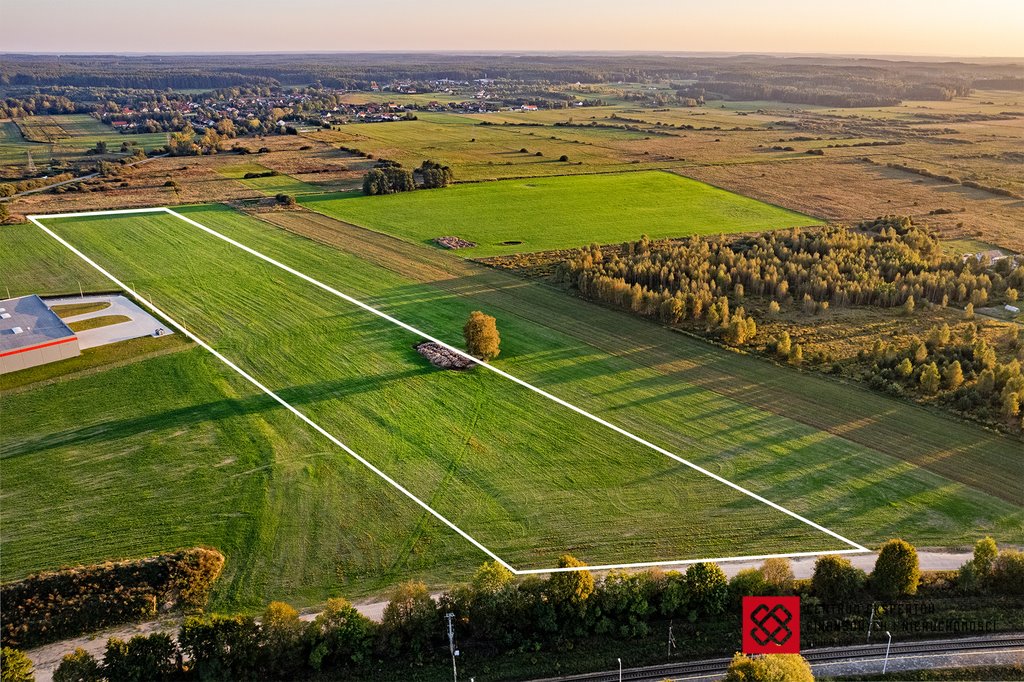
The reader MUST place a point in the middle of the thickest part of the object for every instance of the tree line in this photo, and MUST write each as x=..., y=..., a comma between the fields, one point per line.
x=498, y=616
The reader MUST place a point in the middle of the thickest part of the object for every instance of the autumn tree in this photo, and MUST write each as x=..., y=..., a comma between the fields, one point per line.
x=769, y=668
x=481, y=334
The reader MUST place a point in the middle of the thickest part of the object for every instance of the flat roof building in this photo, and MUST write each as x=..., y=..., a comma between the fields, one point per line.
x=31, y=334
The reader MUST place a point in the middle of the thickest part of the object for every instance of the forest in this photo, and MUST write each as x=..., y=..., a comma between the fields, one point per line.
x=712, y=284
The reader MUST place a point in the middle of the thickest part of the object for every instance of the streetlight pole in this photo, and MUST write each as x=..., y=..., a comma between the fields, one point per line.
x=620, y=670
x=885, y=664
x=450, y=617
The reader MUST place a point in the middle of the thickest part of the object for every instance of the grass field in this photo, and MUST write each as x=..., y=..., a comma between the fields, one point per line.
x=504, y=464
x=554, y=213
x=299, y=520
x=271, y=185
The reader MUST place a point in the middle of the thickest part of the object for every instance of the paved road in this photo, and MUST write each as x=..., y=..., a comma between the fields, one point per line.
x=142, y=323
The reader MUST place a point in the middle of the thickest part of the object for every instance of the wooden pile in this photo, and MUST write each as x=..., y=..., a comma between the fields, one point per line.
x=442, y=357
x=453, y=243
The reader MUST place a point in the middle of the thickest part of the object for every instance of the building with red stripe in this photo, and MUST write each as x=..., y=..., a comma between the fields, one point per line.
x=31, y=334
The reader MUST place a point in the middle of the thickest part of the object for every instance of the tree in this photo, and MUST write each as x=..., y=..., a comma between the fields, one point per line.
x=778, y=573
x=905, y=368
x=976, y=574
x=708, y=588
x=569, y=592
x=226, y=127
x=282, y=642
x=784, y=346
x=773, y=308
x=796, y=356
x=221, y=648
x=954, y=375
x=930, y=379
x=749, y=582
x=1008, y=572
x=80, y=666
x=835, y=579
x=481, y=334
x=410, y=622
x=435, y=175
x=897, y=572
x=183, y=143
x=339, y=636
x=140, y=659
x=15, y=666
x=908, y=306
x=769, y=668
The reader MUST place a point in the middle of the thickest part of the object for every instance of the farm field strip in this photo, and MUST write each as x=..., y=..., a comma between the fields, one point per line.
x=334, y=292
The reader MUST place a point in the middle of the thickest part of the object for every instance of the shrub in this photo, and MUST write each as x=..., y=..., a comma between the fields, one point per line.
x=778, y=573
x=563, y=158
x=15, y=666
x=896, y=570
x=410, y=622
x=46, y=607
x=80, y=666
x=481, y=334
x=141, y=658
x=340, y=636
x=708, y=589
x=836, y=579
x=285, y=199
x=222, y=648
x=1008, y=572
x=769, y=668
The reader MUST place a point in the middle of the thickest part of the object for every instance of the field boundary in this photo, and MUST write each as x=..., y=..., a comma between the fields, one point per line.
x=855, y=548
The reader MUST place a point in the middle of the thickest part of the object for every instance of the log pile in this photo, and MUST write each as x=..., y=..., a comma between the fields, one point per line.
x=442, y=357
x=454, y=243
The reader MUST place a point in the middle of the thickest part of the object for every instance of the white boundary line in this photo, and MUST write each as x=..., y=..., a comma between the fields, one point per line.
x=35, y=219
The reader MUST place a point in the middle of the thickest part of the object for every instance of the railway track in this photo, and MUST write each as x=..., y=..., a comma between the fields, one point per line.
x=717, y=666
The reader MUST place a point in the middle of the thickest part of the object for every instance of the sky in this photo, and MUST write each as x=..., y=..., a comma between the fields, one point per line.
x=979, y=28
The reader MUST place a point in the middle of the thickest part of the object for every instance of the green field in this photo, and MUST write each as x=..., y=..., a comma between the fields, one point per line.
x=271, y=185
x=182, y=451
x=556, y=213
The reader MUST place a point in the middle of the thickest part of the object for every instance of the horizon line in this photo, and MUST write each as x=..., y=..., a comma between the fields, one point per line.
x=884, y=56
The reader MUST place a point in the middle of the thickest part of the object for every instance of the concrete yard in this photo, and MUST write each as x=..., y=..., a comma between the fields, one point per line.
x=142, y=323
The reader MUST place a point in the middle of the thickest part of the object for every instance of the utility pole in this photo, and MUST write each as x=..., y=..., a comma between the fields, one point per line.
x=450, y=617
x=671, y=640
x=886, y=663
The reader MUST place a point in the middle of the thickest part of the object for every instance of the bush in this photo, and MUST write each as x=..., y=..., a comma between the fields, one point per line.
x=563, y=158
x=481, y=335
x=15, y=666
x=410, y=622
x=339, y=637
x=835, y=579
x=80, y=666
x=896, y=570
x=222, y=648
x=708, y=589
x=47, y=607
x=769, y=668
x=141, y=658
x=285, y=199
x=1008, y=572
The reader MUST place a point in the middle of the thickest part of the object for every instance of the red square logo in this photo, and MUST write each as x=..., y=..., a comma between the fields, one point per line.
x=771, y=625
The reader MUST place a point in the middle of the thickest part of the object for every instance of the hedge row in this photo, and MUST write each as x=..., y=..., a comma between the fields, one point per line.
x=46, y=607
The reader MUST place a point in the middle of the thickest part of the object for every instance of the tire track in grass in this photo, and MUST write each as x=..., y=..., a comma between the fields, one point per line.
x=420, y=529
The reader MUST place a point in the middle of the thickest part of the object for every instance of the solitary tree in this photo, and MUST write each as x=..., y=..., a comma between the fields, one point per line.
x=896, y=570
x=481, y=333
